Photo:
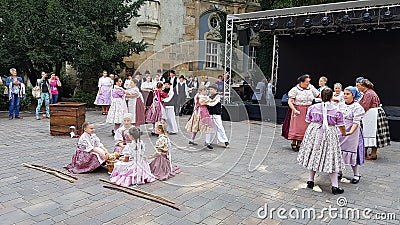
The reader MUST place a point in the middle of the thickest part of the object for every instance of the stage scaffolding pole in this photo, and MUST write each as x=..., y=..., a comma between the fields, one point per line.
x=228, y=60
x=275, y=59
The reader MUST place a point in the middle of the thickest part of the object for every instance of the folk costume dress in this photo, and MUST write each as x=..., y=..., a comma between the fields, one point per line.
x=136, y=170
x=303, y=98
x=200, y=119
x=161, y=166
x=352, y=145
x=136, y=107
x=156, y=112
x=118, y=107
x=121, y=136
x=105, y=97
x=84, y=160
x=375, y=124
x=320, y=150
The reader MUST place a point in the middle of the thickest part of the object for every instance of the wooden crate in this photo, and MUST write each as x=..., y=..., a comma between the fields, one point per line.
x=64, y=115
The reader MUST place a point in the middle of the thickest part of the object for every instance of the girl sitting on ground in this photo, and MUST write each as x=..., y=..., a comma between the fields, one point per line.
x=161, y=166
x=121, y=136
x=132, y=168
x=90, y=152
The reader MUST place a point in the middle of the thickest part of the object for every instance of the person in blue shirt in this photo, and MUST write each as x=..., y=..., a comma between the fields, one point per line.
x=16, y=90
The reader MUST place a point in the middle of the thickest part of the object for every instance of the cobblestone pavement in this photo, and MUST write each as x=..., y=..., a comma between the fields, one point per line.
x=220, y=186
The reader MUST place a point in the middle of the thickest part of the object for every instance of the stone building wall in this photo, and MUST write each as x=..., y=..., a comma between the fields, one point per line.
x=177, y=21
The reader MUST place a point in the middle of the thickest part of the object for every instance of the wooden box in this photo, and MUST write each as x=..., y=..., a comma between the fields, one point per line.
x=63, y=115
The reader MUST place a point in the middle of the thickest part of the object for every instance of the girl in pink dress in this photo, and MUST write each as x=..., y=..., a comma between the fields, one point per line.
x=161, y=166
x=118, y=106
x=200, y=119
x=133, y=167
x=135, y=104
x=156, y=112
x=90, y=153
x=121, y=136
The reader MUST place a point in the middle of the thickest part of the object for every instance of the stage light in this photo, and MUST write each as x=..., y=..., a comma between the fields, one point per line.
x=273, y=25
x=387, y=15
x=325, y=21
x=257, y=26
x=346, y=19
x=367, y=17
x=290, y=24
x=307, y=22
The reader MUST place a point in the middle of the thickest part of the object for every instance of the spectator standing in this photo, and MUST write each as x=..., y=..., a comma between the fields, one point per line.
x=220, y=84
x=16, y=90
x=45, y=95
x=54, y=83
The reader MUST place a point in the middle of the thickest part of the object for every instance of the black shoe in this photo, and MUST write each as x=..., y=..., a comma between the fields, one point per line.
x=355, y=180
x=192, y=143
x=209, y=146
x=112, y=132
x=337, y=190
x=226, y=144
x=310, y=184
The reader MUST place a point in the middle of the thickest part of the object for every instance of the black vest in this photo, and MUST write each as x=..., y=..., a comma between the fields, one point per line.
x=217, y=109
x=181, y=89
x=170, y=103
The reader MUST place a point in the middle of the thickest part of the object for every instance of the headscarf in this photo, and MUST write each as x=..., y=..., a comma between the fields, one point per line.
x=358, y=79
x=354, y=91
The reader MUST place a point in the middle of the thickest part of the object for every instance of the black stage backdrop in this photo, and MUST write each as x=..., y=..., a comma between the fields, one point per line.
x=343, y=57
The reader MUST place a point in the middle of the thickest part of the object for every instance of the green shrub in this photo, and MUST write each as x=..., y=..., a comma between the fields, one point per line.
x=85, y=97
x=3, y=99
x=25, y=102
x=67, y=88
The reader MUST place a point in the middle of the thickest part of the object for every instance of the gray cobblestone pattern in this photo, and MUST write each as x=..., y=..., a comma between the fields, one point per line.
x=215, y=187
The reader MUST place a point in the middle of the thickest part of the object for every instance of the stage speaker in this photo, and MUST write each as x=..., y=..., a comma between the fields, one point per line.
x=244, y=36
x=394, y=128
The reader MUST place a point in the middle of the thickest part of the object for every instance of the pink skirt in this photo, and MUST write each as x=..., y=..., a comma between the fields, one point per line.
x=298, y=124
x=140, y=112
x=154, y=113
x=161, y=168
x=83, y=162
x=133, y=174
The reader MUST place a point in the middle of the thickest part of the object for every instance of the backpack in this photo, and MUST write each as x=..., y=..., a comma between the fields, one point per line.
x=36, y=91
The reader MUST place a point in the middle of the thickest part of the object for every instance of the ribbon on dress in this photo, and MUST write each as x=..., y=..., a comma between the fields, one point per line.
x=325, y=124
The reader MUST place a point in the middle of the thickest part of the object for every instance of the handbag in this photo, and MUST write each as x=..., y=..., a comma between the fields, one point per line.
x=5, y=90
x=36, y=92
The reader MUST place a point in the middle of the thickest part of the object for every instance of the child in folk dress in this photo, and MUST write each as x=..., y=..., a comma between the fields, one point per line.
x=90, y=153
x=161, y=166
x=337, y=94
x=132, y=168
x=156, y=112
x=122, y=137
x=118, y=105
x=352, y=144
x=200, y=119
x=135, y=104
x=320, y=150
